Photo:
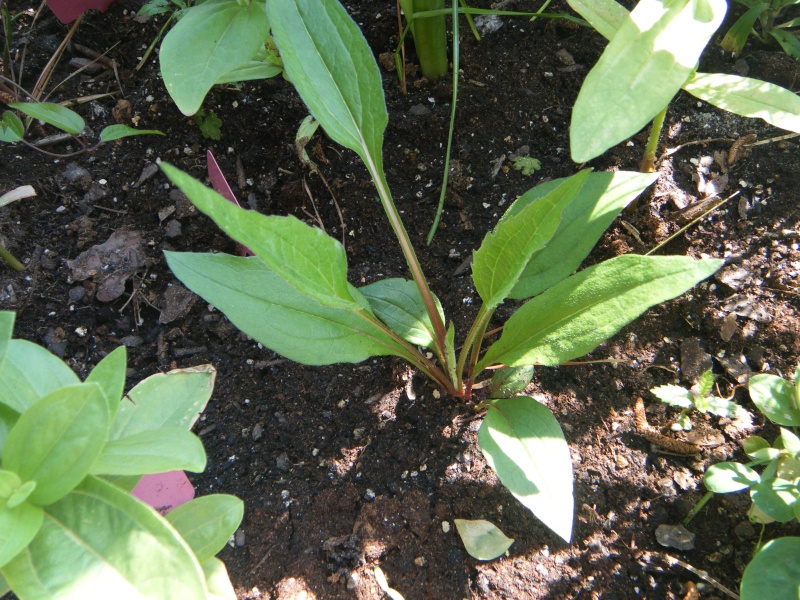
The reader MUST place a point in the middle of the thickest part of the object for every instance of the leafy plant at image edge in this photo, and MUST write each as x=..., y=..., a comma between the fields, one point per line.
x=71, y=452
x=294, y=296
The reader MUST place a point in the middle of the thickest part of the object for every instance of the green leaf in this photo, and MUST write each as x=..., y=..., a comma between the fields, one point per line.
x=774, y=572
x=509, y=382
x=306, y=257
x=787, y=41
x=109, y=374
x=737, y=35
x=505, y=252
x=4, y=587
x=748, y=97
x=397, y=303
x=573, y=317
x=522, y=441
x=18, y=526
x=674, y=395
x=100, y=542
x=115, y=132
x=605, y=16
x=252, y=69
x=173, y=399
x=6, y=331
x=646, y=62
x=583, y=221
x=753, y=444
x=8, y=418
x=776, y=398
x=217, y=580
x=328, y=60
x=29, y=372
x=207, y=523
x=790, y=442
x=155, y=451
x=11, y=128
x=56, y=115
x=706, y=383
x=483, y=540
x=56, y=440
x=775, y=497
x=727, y=477
x=265, y=307
x=789, y=469
x=723, y=407
x=210, y=40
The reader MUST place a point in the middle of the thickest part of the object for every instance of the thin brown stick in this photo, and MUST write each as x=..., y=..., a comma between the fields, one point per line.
x=47, y=72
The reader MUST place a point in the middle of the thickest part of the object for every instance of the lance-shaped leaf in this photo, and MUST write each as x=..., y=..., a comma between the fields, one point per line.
x=11, y=128
x=522, y=441
x=274, y=313
x=117, y=132
x=56, y=440
x=644, y=65
x=483, y=540
x=332, y=67
x=207, y=523
x=397, y=303
x=774, y=571
x=54, y=114
x=155, y=451
x=505, y=252
x=109, y=374
x=29, y=372
x=18, y=526
x=573, y=317
x=210, y=40
x=605, y=16
x=583, y=221
x=748, y=97
x=306, y=257
x=99, y=540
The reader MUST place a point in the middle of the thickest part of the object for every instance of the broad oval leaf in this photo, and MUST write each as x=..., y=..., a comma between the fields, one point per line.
x=397, y=302
x=774, y=572
x=332, y=67
x=109, y=374
x=56, y=440
x=573, y=317
x=483, y=540
x=29, y=372
x=209, y=40
x=265, y=307
x=11, y=128
x=644, y=65
x=207, y=523
x=748, y=97
x=522, y=441
x=776, y=498
x=100, y=542
x=115, y=132
x=509, y=382
x=776, y=398
x=54, y=114
x=18, y=526
x=154, y=451
x=306, y=257
x=727, y=477
x=217, y=580
x=754, y=443
x=505, y=252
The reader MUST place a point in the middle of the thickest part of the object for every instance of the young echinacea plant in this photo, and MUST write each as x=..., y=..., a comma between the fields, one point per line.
x=294, y=297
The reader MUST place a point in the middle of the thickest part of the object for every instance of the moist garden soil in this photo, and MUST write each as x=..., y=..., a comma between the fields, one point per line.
x=349, y=466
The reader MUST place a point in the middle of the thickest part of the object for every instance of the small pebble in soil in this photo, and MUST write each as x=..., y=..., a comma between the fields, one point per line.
x=369, y=494
x=675, y=536
x=745, y=530
x=446, y=526
x=238, y=538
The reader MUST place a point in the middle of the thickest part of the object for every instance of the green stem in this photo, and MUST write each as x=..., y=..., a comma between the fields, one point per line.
x=698, y=507
x=472, y=345
x=648, y=164
x=430, y=39
x=10, y=260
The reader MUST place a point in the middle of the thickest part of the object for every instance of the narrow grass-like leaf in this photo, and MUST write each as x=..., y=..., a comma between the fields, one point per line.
x=306, y=257
x=737, y=35
x=522, y=441
x=54, y=114
x=100, y=542
x=505, y=252
x=573, y=317
x=18, y=526
x=254, y=69
x=787, y=41
x=332, y=67
x=207, y=523
x=115, y=132
x=774, y=571
x=605, y=16
x=776, y=398
x=11, y=128
x=583, y=221
x=727, y=477
x=210, y=40
x=482, y=540
x=109, y=374
x=155, y=451
x=29, y=372
x=265, y=307
x=397, y=303
x=644, y=65
x=6, y=331
x=748, y=97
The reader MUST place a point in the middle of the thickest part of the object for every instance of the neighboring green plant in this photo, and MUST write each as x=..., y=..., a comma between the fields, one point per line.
x=774, y=571
x=699, y=397
x=209, y=124
x=652, y=53
x=70, y=454
x=216, y=42
x=766, y=13
x=13, y=130
x=526, y=164
x=294, y=297
x=175, y=8
x=430, y=36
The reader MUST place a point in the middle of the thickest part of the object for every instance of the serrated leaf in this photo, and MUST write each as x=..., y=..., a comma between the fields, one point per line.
x=774, y=572
x=522, y=441
x=573, y=317
x=748, y=97
x=274, y=313
x=154, y=451
x=18, y=526
x=56, y=115
x=727, y=477
x=115, y=132
x=776, y=498
x=211, y=39
x=483, y=540
x=109, y=374
x=29, y=372
x=722, y=407
x=648, y=59
x=706, y=383
x=674, y=395
x=11, y=128
x=776, y=398
x=397, y=303
x=505, y=252
x=207, y=523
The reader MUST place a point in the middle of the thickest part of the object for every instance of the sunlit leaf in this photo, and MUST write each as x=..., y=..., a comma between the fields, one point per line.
x=774, y=572
x=727, y=477
x=482, y=540
x=397, y=303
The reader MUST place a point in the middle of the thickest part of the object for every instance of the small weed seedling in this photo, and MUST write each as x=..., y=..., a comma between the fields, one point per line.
x=294, y=297
x=766, y=14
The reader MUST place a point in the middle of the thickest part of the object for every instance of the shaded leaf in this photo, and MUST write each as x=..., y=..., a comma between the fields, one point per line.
x=775, y=497
x=115, y=132
x=11, y=128
x=56, y=115
x=154, y=451
x=483, y=540
x=109, y=374
x=774, y=571
x=207, y=523
x=397, y=303
x=509, y=382
x=737, y=35
x=776, y=398
x=18, y=526
x=29, y=372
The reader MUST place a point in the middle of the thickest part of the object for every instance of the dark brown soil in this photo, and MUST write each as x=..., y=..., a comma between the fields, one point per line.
x=350, y=466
